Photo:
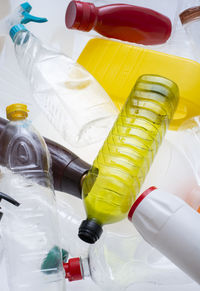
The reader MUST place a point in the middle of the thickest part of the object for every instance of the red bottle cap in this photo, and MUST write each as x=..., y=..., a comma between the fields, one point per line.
x=139, y=200
x=80, y=15
x=73, y=269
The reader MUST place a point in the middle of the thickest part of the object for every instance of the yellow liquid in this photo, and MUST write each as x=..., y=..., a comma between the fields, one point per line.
x=119, y=170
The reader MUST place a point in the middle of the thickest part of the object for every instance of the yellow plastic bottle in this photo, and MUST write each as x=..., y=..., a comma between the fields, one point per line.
x=121, y=165
x=117, y=66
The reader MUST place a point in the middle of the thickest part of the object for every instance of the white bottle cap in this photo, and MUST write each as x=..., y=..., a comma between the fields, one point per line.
x=170, y=225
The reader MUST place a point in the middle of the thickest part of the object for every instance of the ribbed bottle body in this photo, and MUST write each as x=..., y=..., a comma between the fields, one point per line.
x=121, y=166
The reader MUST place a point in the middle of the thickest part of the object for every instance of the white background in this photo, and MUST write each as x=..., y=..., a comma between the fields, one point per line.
x=56, y=35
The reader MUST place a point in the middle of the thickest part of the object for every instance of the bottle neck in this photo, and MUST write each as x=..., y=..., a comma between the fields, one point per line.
x=20, y=123
x=22, y=37
x=85, y=266
x=26, y=48
x=81, y=16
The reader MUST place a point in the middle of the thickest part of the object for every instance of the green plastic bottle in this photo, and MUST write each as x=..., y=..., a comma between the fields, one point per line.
x=121, y=165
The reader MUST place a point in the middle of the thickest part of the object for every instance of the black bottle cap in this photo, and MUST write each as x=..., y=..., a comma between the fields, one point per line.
x=90, y=231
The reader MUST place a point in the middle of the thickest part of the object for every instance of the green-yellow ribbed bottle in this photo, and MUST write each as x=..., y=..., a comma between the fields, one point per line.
x=121, y=165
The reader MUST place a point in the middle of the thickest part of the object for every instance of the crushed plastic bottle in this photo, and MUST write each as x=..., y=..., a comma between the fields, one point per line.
x=116, y=262
x=122, y=163
x=74, y=102
x=33, y=226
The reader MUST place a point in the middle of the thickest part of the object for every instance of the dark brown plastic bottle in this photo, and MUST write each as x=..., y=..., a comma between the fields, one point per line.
x=68, y=169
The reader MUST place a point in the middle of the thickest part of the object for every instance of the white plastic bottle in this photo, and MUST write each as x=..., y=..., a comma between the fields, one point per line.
x=74, y=102
x=30, y=230
x=171, y=226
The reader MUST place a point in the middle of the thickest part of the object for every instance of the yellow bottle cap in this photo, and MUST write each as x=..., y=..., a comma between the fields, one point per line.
x=17, y=112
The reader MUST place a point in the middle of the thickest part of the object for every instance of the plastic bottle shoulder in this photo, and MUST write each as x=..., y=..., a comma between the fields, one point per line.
x=24, y=151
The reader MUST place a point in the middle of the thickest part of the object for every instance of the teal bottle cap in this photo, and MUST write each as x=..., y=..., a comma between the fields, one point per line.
x=26, y=17
x=53, y=260
x=26, y=6
x=15, y=29
x=31, y=18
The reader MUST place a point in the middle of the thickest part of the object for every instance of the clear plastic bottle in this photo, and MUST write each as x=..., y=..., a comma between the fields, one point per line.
x=69, y=221
x=169, y=161
x=189, y=135
x=74, y=102
x=33, y=226
x=12, y=201
x=190, y=19
x=122, y=163
x=116, y=262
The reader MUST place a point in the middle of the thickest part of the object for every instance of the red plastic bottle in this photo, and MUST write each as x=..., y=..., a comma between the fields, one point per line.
x=121, y=21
